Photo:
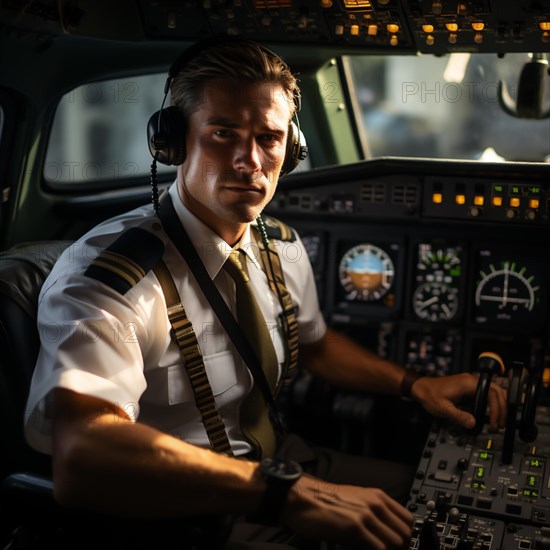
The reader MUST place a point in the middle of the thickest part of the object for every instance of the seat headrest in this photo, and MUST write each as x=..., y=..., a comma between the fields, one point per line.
x=24, y=268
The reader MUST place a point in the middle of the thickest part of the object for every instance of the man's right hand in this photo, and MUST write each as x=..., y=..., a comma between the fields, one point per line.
x=356, y=516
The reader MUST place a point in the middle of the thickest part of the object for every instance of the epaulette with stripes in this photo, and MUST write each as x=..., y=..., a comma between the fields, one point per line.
x=127, y=260
x=278, y=230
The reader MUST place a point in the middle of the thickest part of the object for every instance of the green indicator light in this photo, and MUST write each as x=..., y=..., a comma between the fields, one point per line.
x=535, y=463
x=534, y=190
x=484, y=455
x=498, y=188
x=526, y=492
x=531, y=481
x=514, y=190
x=480, y=472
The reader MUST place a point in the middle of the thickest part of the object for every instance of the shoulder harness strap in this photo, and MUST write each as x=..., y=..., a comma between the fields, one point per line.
x=127, y=260
x=271, y=261
x=184, y=336
x=276, y=229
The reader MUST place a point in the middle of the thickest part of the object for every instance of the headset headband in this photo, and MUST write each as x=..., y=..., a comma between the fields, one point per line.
x=204, y=45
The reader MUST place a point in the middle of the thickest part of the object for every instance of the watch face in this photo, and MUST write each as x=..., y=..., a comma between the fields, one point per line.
x=281, y=469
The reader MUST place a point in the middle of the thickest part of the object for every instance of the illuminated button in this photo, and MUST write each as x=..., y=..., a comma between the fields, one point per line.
x=372, y=30
x=535, y=463
x=480, y=472
x=478, y=26
x=483, y=455
x=326, y=3
x=354, y=30
x=460, y=199
x=532, y=481
x=437, y=198
x=544, y=25
x=430, y=40
x=497, y=201
x=429, y=28
x=393, y=28
x=339, y=30
x=394, y=40
x=534, y=203
x=514, y=202
x=451, y=27
x=479, y=200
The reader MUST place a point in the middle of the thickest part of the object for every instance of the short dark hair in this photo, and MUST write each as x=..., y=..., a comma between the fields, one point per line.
x=243, y=61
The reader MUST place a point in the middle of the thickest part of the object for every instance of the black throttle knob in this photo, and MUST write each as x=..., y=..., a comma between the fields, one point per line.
x=489, y=364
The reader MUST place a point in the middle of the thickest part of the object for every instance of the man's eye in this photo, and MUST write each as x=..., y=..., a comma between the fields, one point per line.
x=268, y=137
x=223, y=133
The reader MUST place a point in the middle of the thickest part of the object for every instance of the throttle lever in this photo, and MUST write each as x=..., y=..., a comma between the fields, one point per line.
x=489, y=364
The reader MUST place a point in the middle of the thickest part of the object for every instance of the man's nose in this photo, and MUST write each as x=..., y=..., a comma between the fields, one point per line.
x=247, y=156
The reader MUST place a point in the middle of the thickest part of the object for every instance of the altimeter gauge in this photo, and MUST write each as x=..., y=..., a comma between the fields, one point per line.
x=435, y=302
x=438, y=279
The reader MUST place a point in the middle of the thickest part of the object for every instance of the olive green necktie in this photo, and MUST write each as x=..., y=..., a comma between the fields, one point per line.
x=255, y=422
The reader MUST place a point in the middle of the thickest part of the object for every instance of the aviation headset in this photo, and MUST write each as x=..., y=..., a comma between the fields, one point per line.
x=166, y=129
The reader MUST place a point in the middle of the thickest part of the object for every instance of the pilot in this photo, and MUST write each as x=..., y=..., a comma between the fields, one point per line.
x=149, y=404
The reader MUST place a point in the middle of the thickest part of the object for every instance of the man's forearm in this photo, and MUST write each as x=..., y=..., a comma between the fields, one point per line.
x=118, y=467
x=345, y=364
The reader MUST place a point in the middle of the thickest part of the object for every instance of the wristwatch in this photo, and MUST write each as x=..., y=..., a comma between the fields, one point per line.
x=280, y=475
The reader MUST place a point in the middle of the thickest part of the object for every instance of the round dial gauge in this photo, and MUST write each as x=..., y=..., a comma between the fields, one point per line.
x=366, y=273
x=438, y=274
x=508, y=289
x=435, y=302
x=440, y=265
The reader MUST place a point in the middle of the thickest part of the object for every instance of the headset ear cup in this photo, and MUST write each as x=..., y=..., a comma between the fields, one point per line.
x=296, y=149
x=166, y=136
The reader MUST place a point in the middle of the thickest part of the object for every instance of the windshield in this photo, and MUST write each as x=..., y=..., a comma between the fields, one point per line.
x=445, y=107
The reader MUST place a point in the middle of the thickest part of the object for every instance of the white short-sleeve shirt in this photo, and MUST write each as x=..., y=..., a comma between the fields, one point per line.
x=116, y=347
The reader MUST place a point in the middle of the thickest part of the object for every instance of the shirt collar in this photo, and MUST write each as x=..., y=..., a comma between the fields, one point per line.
x=212, y=249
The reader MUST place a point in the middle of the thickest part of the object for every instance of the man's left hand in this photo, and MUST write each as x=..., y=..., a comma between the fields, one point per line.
x=440, y=396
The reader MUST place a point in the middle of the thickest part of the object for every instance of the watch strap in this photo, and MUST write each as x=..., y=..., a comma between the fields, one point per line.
x=278, y=484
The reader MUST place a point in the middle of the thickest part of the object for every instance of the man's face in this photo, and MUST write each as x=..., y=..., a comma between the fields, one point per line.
x=235, y=150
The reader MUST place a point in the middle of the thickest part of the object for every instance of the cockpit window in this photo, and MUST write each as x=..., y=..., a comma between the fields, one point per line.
x=447, y=107
x=99, y=133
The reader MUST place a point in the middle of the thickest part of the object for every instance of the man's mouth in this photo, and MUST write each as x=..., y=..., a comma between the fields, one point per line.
x=244, y=188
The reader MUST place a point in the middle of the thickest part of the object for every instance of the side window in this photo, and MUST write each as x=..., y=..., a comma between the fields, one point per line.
x=99, y=134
